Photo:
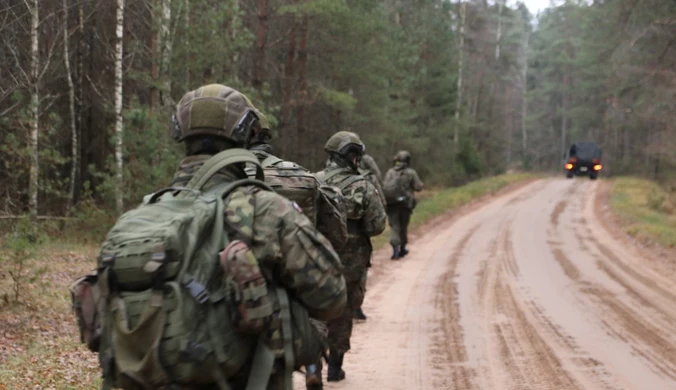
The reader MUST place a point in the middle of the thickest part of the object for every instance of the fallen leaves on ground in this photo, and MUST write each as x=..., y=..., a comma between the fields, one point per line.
x=39, y=340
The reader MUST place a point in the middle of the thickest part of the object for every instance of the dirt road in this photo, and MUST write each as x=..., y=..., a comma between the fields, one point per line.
x=526, y=291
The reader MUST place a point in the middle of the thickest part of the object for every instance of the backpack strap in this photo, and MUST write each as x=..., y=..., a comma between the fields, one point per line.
x=270, y=160
x=261, y=367
x=264, y=359
x=220, y=161
x=225, y=189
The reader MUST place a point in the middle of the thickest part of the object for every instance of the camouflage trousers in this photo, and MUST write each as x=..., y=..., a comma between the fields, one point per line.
x=399, y=216
x=340, y=329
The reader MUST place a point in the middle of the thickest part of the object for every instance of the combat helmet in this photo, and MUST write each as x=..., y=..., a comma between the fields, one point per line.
x=343, y=143
x=217, y=110
x=403, y=156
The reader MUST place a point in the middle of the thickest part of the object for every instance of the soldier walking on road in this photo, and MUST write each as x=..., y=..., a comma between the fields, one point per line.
x=400, y=184
x=287, y=245
x=366, y=218
x=324, y=205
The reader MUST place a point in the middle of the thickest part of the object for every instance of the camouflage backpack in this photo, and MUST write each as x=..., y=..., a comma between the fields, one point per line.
x=181, y=304
x=321, y=203
x=293, y=182
x=393, y=187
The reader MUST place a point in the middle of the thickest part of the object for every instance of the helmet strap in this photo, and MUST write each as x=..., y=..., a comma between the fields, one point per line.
x=210, y=145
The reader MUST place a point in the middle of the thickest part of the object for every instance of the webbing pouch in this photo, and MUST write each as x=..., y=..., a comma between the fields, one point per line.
x=247, y=289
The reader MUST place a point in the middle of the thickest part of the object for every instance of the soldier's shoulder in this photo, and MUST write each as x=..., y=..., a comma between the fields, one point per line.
x=409, y=170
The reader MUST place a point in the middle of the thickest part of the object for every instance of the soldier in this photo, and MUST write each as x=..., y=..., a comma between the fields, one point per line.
x=288, y=247
x=400, y=184
x=366, y=218
x=323, y=204
x=369, y=169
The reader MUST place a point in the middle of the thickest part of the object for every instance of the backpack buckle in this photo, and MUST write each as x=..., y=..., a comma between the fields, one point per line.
x=197, y=291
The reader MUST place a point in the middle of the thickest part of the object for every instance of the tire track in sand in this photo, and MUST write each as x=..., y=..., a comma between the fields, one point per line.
x=446, y=300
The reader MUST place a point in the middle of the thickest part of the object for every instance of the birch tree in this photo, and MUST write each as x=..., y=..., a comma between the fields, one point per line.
x=71, y=106
x=166, y=49
x=498, y=33
x=35, y=110
x=119, y=129
x=461, y=46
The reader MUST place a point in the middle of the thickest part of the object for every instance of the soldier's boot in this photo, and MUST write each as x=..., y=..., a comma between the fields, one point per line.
x=403, y=252
x=313, y=376
x=396, y=255
x=335, y=372
x=359, y=315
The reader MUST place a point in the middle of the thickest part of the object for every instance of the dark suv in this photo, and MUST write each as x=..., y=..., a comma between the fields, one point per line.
x=583, y=159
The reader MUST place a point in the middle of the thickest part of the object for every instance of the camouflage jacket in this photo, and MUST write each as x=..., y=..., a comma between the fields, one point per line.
x=365, y=211
x=285, y=242
x=323, y=204
x=407, y=180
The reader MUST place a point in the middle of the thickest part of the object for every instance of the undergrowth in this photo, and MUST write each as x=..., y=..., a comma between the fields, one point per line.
x=646, y=209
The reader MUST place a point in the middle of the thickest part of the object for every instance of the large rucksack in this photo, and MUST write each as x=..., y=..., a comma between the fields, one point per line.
x=181, y=302
x=293, y=182
x=393, y=187
x=321, y=203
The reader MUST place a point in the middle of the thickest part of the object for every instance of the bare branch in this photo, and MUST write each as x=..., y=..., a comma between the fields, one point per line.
x=10, y=109
x=18, y=64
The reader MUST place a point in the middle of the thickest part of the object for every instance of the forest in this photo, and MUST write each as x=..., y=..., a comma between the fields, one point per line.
x=470, y=88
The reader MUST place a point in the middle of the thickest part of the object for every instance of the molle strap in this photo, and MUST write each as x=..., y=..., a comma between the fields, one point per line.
x=156, y=266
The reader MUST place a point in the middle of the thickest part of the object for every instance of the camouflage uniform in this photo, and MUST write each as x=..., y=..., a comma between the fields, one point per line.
x=399, y=213
x=288, y=245
x=290, y=250
x=366, y=218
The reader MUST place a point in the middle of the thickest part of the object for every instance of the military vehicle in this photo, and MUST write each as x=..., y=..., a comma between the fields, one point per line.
x=583, y=159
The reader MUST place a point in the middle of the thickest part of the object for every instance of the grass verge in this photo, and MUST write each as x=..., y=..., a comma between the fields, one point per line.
x=436, y=202
x=39, y=344
x=646, y=210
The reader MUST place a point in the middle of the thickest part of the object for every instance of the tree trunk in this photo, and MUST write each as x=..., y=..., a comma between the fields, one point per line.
x=524, y=98
x=302, y=88
x=119, y=190
x=80, y=81
x=167, y=47
x=564, y=117
x=289, y=71
x=461, y=47
x=71, y=105
x=155, y=55
x=188, y=78
x=261, y=39
x=35, y=113
x=498, y=34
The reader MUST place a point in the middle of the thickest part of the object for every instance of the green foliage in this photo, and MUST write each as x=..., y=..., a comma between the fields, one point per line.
x=18, y=247
x=151, y=155
x=647, y=209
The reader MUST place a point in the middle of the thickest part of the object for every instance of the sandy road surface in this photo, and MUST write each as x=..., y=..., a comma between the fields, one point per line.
x=527, y=291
